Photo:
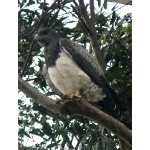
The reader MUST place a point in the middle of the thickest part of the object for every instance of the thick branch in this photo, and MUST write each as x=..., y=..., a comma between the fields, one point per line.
x=92, y=31
x=123, y=145
x=81, y=108
x=37, y=96
x=92, y=12
x=128, y=2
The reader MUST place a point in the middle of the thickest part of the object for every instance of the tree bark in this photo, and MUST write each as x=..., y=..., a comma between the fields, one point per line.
x=81, y=108
x=129, y=2
x=90, y=23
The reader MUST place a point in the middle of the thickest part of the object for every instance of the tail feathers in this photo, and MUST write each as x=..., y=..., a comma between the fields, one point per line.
x=109, y=106
x=127, y=124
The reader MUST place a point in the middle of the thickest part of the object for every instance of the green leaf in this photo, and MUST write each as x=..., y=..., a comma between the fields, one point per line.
x=23, y=132
x=37, y=132
x=47, y=129
x=105, y=4
x=21, y=59
x=53, y=144
x=99, y=2
x=113, y=17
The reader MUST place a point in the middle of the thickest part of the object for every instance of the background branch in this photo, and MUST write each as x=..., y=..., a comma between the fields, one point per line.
x=128, y=2
x=79, y=16
x=32, y=43
x=81, y=108
x=92, y=31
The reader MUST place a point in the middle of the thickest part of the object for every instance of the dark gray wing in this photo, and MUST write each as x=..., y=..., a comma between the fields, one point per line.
x=89, y=65
x=49, y=82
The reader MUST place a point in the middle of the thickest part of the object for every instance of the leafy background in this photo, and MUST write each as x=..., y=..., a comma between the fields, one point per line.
x=53, y=130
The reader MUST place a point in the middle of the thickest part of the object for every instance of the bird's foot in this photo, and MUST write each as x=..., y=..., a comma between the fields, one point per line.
x=73, y=97
x=62, y=100
x=76, y=96
x=64, y=97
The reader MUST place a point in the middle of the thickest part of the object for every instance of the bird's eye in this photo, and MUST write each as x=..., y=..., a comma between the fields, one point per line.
x=44, y=32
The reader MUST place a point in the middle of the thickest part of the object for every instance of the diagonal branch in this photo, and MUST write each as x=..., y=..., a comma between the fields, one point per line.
x=79, y=16
x=81, y=108
x=92, y=31
x=32, y=43
x=37, y=96
x=127, y=2
x=92, y=12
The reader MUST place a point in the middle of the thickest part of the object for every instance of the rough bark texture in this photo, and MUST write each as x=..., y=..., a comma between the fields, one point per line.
x=81, y=108
x=90, y=23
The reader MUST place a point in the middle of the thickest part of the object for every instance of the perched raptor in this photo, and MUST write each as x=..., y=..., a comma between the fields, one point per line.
x=71, y=70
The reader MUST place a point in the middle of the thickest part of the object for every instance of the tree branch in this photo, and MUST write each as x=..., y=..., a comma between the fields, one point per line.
x=92, y=12
x=128, y=2
x=32, y=43
x=81, y=108
x=37, y=96
x=79, y=16
x=123, y=145
x=92, y=31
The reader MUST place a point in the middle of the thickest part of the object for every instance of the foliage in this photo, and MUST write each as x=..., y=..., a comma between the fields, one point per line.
x=56, y=131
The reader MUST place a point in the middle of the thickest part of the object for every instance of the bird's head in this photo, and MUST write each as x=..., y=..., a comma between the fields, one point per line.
x=46, y=36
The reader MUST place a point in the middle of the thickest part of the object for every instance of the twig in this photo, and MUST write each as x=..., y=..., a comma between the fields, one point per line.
x=92, y=32
x=84, y=12
x=32, y=43
x=78, y=143
x=116, y=10
x=92, y=12
x=26, y=31
x=25, y=64
x=79, y=16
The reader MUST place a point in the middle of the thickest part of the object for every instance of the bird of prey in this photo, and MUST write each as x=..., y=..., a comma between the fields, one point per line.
x=71, y=70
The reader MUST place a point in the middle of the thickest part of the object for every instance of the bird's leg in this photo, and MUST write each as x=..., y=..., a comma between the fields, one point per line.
x=73, y=97
x=64, y=97
x=62, y=100
x=76, y=96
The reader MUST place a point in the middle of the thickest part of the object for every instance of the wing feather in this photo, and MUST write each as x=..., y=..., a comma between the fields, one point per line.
x=49, y=82
x=89, y=65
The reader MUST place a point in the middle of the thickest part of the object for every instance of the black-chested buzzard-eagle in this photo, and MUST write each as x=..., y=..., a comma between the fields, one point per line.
x=71, y=70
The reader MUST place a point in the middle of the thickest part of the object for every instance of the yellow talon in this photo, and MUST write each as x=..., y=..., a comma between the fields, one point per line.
x=76, y=95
